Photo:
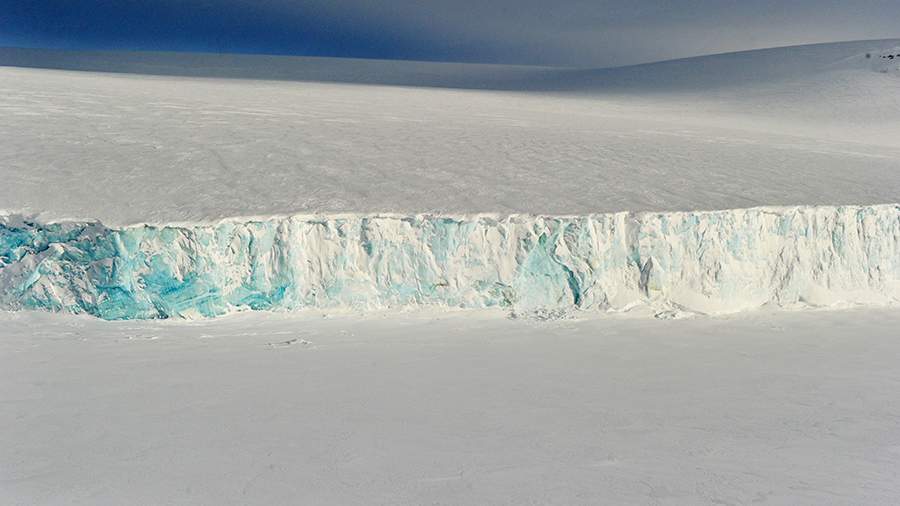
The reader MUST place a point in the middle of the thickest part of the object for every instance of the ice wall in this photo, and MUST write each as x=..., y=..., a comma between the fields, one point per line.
x=709, y=262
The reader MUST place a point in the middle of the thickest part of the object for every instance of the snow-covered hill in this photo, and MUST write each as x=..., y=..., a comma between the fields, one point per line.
x=687, y=74
x=788, y=126
x=183, y=140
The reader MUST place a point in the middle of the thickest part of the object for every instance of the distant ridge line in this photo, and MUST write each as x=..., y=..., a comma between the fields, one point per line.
x=479, y=76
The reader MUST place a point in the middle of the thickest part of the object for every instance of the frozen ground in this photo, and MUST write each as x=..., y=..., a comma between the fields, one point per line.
x=788, y=126
x=461, y=408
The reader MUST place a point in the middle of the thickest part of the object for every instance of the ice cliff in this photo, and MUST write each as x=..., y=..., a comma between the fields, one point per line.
x=708, y=262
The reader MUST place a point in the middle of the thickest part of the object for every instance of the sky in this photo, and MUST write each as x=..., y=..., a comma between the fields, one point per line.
x=589, y=33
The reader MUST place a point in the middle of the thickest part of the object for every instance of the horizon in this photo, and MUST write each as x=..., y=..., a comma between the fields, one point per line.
x=448, y=62
x=612, y=33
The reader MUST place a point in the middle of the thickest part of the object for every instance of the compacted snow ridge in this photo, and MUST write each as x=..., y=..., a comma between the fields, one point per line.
x=706, y=262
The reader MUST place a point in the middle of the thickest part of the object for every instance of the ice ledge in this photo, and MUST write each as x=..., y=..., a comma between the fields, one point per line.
x=707, y=262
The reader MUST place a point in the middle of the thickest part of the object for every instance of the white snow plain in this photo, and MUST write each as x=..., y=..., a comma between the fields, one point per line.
x=789, y=126
x=791, y=408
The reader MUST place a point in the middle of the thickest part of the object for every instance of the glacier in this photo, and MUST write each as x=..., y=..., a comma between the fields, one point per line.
x=709, y=262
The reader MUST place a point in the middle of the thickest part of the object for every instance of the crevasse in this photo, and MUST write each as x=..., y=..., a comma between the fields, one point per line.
x=708, y=262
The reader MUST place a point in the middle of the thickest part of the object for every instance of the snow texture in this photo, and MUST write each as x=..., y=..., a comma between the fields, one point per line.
x=451, y=408
x=706, y=262
x=812, y=125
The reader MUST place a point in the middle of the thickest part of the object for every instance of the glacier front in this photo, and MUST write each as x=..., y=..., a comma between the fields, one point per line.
x=707, y=262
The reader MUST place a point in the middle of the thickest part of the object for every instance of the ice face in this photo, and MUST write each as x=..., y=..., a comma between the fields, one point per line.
x=710, y=262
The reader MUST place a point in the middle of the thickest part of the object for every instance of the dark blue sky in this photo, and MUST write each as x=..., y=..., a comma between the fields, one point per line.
x=566, y=32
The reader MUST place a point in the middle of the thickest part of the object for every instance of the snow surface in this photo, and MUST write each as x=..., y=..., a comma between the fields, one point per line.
x=790, y=126
x=128, y=182
x=463, y=408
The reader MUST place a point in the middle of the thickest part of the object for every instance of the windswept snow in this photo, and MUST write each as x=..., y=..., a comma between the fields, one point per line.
x=790, y=126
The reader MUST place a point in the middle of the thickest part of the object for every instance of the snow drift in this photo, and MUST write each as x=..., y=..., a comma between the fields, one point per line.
x=708, y=262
